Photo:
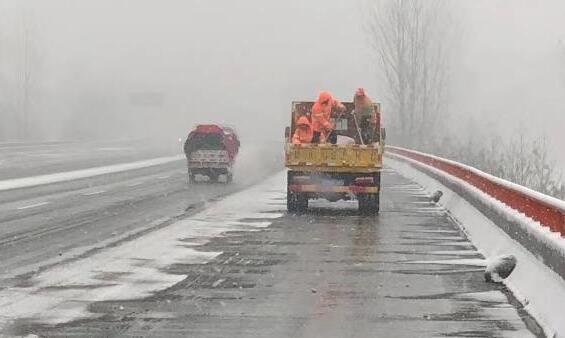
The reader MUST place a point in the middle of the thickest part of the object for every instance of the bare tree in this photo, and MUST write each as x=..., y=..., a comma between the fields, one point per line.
x=521, y=159
x=410, y=40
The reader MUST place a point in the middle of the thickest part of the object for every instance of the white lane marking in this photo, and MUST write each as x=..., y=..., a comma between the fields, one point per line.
x=84, y=173
x=466, y=244
x=144, y=270
x=32, y=205
x=164, y=177
x=135, y=184
x=454, y=252
x=462, y=261
x=94, y=193
x=218, y=282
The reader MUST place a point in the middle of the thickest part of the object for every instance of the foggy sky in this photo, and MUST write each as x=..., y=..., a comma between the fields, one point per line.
x=511, y=72
x=235, y=62
x=243, y=62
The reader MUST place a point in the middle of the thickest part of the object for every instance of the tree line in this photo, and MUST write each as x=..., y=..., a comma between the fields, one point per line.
x=411, y=44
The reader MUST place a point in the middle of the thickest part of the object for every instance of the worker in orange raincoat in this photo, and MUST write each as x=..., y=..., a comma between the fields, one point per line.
x=303, y=133
x=322, y=111
x=368, y=118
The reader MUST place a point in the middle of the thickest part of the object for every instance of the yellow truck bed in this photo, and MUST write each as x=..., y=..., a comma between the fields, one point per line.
x=334, y=171
x=351, y=158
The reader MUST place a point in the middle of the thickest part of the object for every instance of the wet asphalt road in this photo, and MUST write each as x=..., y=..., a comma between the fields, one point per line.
x=50, y=225
x=44, y=224
x=327, y=273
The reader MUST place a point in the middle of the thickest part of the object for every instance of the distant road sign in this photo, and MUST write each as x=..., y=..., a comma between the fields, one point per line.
x=147, y=99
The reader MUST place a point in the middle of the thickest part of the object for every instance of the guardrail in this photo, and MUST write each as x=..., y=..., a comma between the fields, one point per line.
x=501, y=217
x=546, y=210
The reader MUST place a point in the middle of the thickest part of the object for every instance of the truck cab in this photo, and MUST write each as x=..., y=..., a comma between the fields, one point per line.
x=351, y=170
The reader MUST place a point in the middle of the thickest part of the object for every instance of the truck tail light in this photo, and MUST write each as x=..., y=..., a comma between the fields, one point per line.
x=364, y=181
x=301, y=179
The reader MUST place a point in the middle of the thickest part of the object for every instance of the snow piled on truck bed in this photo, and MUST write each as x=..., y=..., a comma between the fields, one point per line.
x=540, y=290
x=138, y=268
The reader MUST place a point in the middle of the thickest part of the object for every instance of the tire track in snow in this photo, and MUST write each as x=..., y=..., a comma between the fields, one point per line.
x=63, y=293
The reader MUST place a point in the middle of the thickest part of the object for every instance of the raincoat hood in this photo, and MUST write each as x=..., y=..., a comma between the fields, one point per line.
x=325, y=97
x=360, y=92
x=302, y=120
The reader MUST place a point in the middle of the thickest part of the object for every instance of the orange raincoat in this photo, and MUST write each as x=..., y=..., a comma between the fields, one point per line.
x=322, y=112
x=303, y=132
x=364, y=108
x=365, y=113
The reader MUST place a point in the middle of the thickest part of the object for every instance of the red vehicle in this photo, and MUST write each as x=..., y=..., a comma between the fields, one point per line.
x=210, y=151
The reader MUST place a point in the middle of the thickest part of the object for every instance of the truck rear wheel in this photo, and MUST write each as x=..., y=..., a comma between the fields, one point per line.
x=369, y=204
x=191, y=178
x=291, y=203
x=302, y=202
x=376, y=203
x=213, y=178
x=296, y=202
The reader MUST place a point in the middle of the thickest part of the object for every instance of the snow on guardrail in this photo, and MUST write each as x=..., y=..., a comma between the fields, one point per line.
x=488, y=210
x=26, y=182
x=547, y=210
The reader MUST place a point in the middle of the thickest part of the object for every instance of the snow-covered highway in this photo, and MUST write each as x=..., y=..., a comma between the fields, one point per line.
x=142, y=253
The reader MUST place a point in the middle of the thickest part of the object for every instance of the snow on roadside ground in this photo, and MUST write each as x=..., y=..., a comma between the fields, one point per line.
x=264, y=157
x=26, y=182
x=63, y=293
x=535, y=285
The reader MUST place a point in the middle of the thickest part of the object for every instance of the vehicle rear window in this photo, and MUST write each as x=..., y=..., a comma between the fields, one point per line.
x=204, y=142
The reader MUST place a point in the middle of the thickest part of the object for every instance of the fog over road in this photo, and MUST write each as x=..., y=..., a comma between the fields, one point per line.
x=142, y=255
x=102, y=234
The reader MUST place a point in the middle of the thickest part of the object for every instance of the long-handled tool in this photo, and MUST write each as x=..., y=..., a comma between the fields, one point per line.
x=357, y=126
